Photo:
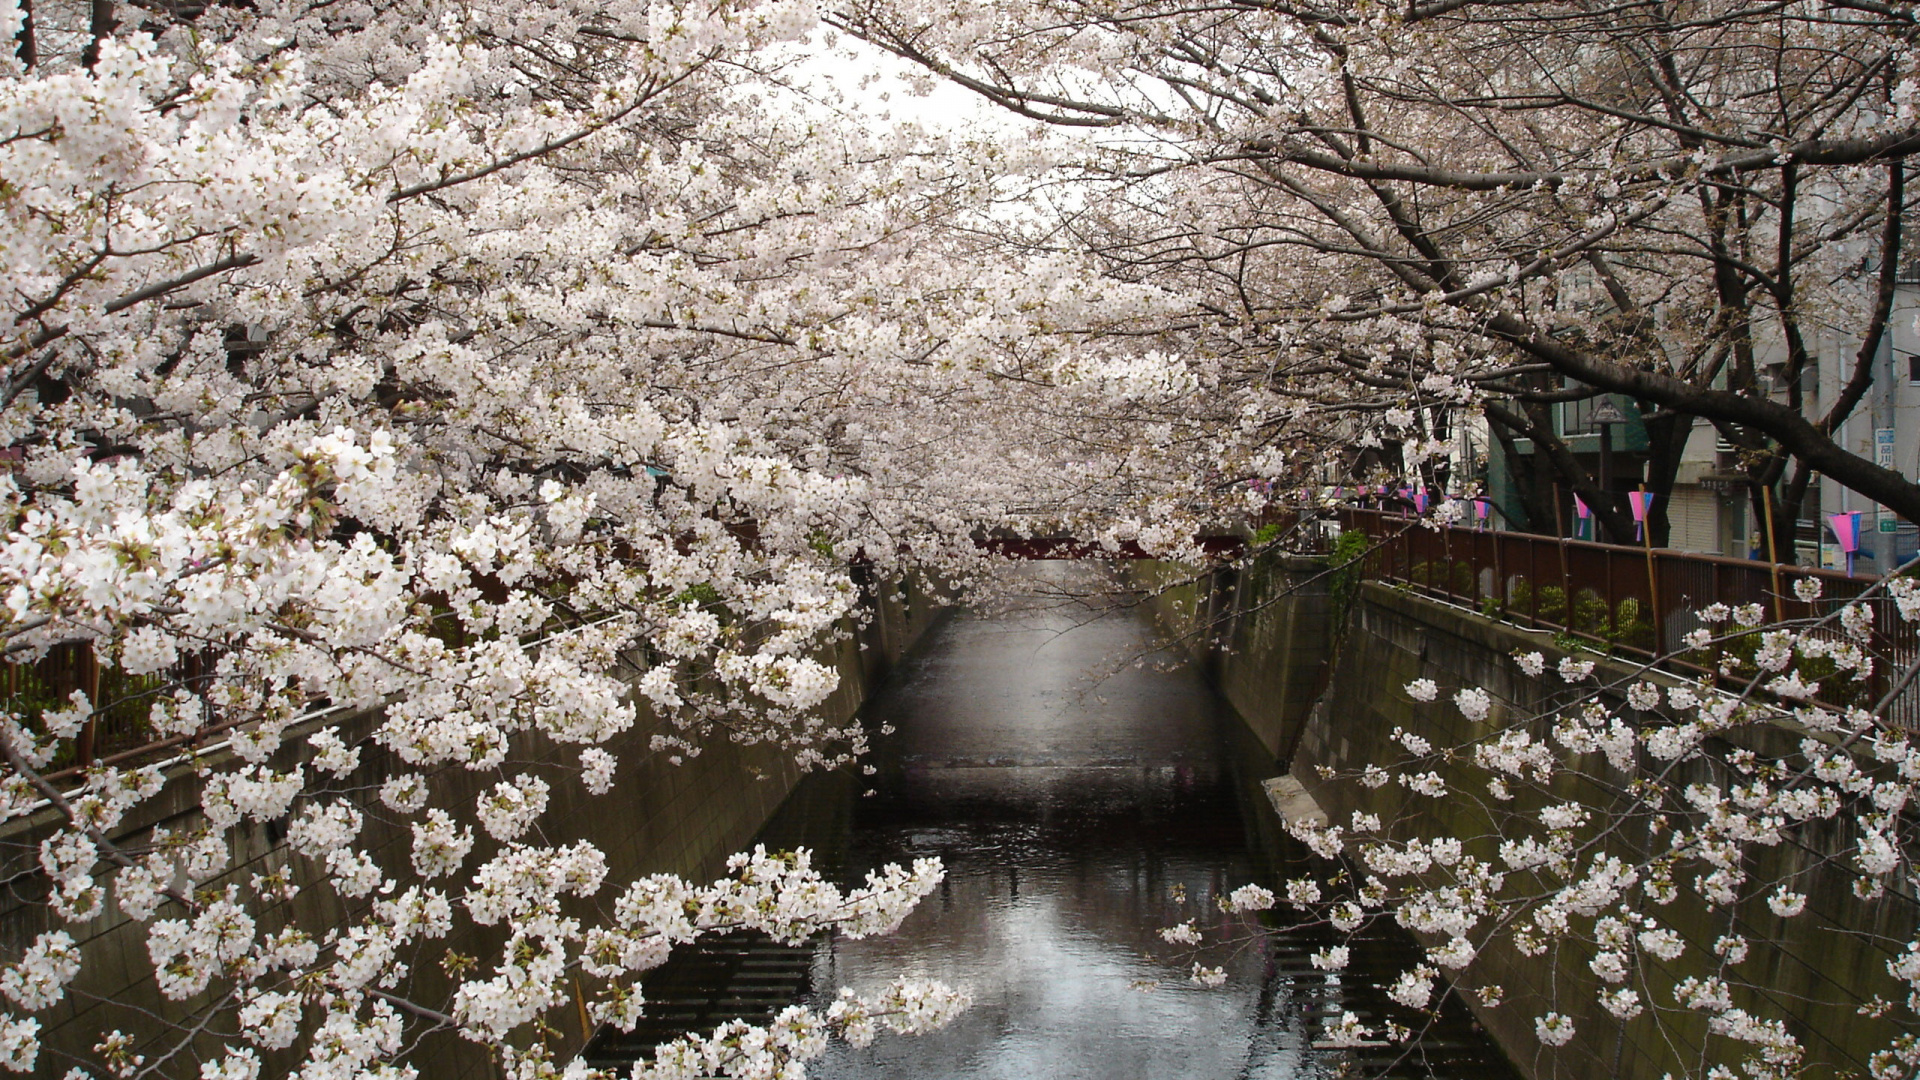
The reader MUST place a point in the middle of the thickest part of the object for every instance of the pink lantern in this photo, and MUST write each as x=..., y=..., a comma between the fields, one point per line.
x=1641, y=503
x=1846, y=530
x=1420, y=500
x=1482, y=511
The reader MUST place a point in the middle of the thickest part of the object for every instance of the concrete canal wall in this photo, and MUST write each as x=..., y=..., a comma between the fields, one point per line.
x=659, y=818
x=1263, y=635
x=1318, y=676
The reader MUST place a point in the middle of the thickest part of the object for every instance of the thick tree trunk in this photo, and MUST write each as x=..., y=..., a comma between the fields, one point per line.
x=101, y=23
x=1529, y=479
x=1667, y=434
x=1793, y=432
x=25, y=48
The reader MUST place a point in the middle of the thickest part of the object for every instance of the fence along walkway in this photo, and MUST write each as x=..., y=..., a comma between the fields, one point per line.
x=1636, y=601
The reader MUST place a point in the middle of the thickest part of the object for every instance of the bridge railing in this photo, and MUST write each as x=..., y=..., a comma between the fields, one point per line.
x=1635, y=601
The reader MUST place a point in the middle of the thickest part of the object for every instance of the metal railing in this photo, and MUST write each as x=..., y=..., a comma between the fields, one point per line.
x=1628, y=600
x=120, y=731
x=1638, y=602
x=120, y=727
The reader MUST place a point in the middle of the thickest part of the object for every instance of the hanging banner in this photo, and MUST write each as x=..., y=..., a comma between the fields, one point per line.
x=1846, y=531
x=1641, y=503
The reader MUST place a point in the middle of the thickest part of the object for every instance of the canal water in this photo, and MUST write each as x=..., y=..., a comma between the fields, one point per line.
x=1083, y=791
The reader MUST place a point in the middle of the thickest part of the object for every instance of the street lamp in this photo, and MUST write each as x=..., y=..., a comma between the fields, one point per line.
x=1605, y=415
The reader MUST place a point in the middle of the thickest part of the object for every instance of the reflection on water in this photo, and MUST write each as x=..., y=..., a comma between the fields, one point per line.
x=1073, y=813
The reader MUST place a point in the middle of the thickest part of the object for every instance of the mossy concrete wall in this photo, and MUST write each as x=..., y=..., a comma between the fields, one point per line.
x=659, y=818
x=1817, y=970
x=1263, y=631
x=1323, y=690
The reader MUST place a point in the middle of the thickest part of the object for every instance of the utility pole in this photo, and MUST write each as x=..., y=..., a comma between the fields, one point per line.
x=1605, y=415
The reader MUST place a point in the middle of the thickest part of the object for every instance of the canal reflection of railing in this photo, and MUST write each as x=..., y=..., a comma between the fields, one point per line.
x=745, y=976
x=1632, y=600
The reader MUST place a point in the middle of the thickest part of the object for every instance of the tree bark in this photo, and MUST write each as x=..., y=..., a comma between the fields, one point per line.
x=102, y=21
x=1667, y=434
x=25, y=47
x=1792, y=431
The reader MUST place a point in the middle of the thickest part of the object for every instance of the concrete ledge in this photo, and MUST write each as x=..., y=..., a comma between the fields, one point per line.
x=1291, y=801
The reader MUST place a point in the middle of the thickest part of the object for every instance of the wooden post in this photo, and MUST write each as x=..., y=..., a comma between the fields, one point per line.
x=1566, y=579
x=586, y=1025
x=1653, y=580
x=89, y=747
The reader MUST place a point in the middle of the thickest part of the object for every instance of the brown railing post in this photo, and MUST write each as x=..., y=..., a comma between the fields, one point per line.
x=1566, y=586
x=1773, y=553
x=1612, y=601
x=1533, y=592
x=1654, y=610
x=90, y=682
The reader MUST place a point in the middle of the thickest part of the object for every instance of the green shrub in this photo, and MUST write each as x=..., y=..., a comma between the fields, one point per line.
x=1347, y=562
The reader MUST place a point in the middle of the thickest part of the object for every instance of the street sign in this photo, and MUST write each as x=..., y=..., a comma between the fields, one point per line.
x=1608, y=413
x=1883, y=457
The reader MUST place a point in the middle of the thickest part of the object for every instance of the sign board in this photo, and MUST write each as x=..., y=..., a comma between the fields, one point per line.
x=1608, y=413
x=1889, y=524
x=1883, y=447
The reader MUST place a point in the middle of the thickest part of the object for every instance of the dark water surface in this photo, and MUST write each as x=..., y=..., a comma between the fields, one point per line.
x=1074, y=806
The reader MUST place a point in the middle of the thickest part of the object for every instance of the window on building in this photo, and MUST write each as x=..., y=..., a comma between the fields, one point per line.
x=1913, y=367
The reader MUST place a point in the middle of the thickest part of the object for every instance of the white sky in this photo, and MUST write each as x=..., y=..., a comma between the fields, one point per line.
x=873, y=82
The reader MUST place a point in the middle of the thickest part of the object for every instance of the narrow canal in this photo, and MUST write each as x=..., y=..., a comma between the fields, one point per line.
x=1080, y=802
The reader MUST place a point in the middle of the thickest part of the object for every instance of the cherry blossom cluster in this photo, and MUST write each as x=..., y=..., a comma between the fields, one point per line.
x=1627, y=809
x=470, y=387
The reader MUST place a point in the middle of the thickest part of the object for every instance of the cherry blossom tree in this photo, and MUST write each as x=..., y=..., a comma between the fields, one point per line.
x=1390, y=216
x=1406, y=211
x=1648, y=844
x=504, y=369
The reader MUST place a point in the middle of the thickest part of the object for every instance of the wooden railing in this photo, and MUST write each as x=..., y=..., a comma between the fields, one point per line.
x=1634, y=601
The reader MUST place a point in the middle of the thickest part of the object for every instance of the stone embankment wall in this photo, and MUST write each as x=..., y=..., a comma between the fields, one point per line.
x=659, y=818
x=1818, y=970
x=1263, y=634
